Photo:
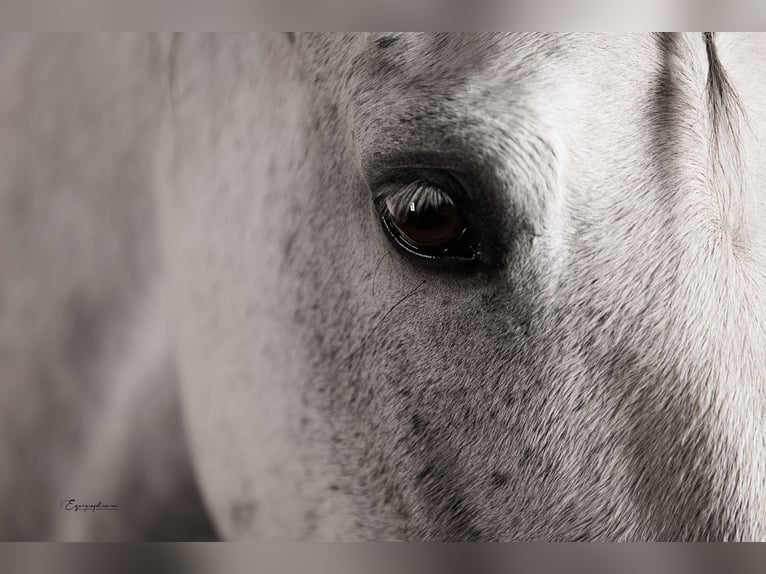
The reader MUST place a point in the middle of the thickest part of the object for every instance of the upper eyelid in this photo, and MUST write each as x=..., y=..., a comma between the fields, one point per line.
x=389, y=180
x=385, y=166
x=398, y=175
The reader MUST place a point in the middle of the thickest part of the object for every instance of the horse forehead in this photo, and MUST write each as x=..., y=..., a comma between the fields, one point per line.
x=435, y=57
x=441, y=59
x=426, y=54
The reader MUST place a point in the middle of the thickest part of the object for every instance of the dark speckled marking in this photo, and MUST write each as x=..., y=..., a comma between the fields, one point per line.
x=499, y=479
x=386, y=42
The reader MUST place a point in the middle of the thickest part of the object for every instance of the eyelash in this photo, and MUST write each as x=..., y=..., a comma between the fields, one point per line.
x=417, y=190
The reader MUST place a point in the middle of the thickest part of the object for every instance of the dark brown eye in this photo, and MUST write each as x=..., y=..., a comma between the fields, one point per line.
x=424, y=220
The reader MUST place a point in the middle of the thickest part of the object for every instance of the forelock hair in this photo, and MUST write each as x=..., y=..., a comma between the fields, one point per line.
x=726, y=121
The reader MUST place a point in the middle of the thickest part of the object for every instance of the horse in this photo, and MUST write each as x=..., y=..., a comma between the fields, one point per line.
x=475, y=287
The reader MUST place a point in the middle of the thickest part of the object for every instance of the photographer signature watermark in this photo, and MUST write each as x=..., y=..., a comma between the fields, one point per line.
x=72, y=505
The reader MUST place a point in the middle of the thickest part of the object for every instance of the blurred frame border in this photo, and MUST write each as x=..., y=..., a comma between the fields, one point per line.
x=379, y=558
x=424, y=15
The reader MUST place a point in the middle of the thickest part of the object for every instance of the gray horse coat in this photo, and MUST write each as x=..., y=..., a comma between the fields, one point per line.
x=199, y=301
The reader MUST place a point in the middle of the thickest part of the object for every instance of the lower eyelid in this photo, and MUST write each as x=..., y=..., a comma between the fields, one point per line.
x=459, y=248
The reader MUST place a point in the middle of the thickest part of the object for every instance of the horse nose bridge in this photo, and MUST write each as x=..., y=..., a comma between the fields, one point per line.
x=717, y=338
x=684, y=344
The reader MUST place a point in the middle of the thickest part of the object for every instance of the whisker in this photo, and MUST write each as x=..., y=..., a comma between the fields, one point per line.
x=383, y=318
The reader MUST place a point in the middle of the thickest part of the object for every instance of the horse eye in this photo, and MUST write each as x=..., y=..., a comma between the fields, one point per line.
x=423, y=219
